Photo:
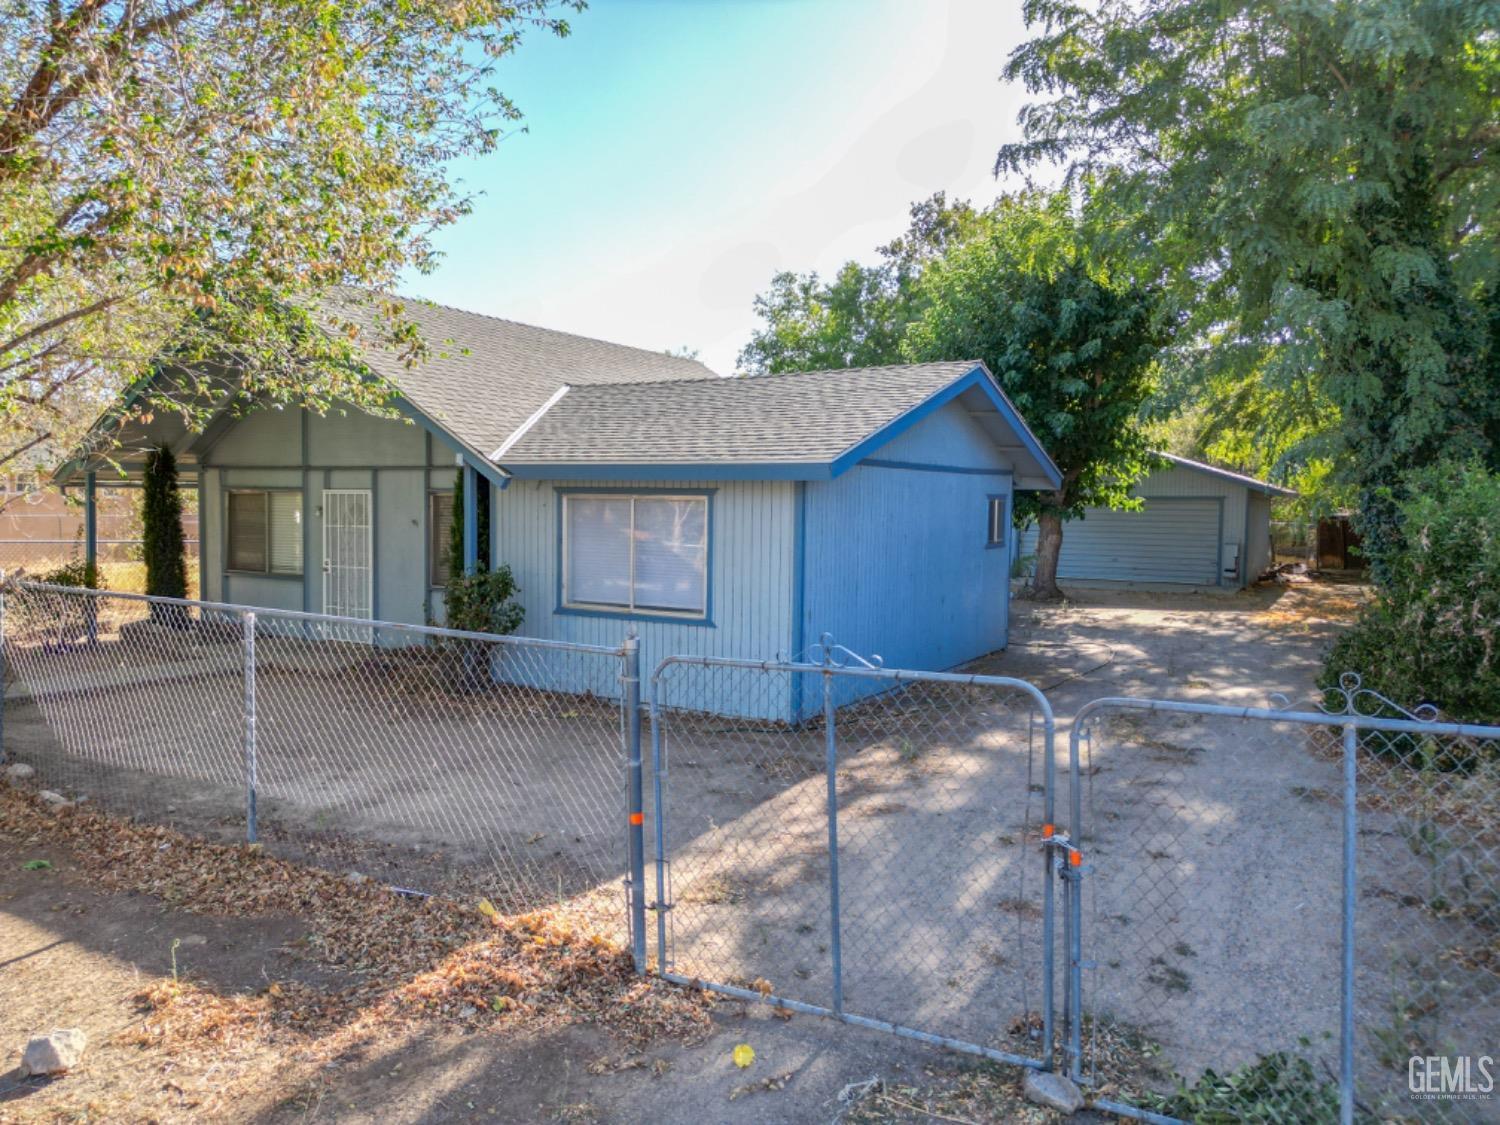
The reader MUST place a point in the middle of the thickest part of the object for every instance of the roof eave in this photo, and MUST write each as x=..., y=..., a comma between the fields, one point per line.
x=977, y=376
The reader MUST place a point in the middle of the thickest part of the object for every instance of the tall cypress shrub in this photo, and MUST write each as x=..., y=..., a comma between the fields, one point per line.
x=161, y=529
x=456, y=528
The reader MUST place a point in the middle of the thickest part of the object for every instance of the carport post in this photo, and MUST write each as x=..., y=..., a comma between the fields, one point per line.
x=249, y=627
x=636, y=829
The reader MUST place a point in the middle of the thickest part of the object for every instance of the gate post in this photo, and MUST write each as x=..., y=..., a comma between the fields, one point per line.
x=636, y=829
x=249, y=681
x=831, y=751
x=1346, y=989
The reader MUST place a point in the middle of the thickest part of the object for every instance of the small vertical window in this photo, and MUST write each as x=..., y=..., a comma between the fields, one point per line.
x=999, y=521
x=439, y=529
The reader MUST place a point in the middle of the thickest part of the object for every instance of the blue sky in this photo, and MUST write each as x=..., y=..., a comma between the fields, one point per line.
x=680, y=151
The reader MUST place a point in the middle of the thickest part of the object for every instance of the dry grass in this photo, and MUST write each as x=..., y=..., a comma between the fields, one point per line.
x=1315, y=605
x=405, y=967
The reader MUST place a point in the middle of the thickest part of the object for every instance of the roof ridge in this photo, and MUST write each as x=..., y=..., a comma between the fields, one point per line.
x=534, y=327
x=745, y=376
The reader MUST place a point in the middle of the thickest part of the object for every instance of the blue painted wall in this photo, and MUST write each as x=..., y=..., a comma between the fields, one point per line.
x=897, y=558
x=752, y=561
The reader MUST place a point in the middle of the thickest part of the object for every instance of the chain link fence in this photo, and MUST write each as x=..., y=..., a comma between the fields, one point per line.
x=438, y=761
x=1270, y=915
x=859, y=842
x=1261, y=890
x=119, y=561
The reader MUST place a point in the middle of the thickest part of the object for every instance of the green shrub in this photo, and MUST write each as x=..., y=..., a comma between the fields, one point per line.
x=79, y=572
x=162, y=544
x=483, y=602
x=1278, y=1089
x=1432, y=633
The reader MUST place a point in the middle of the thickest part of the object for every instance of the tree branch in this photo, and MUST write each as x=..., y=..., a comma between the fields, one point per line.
x=58, y=321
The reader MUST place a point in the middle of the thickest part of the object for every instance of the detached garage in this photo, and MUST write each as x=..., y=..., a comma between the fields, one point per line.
x=1202, y=527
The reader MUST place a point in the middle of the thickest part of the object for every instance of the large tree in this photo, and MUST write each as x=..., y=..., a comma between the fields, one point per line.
x=857, y=318
x=1320, y=182
x=194, y=174
x=1074, y=349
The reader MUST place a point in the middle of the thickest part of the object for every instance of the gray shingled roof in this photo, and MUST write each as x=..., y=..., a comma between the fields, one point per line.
x=1228, y=474
x=484, y=377
x=810, y=416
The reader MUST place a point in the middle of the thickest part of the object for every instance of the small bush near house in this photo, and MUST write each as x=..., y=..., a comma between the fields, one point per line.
x=483, y=602
x=1432, y=633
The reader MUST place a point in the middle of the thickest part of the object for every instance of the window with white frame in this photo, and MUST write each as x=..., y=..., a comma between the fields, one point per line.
x=265, y=531
x=636, y=554
x=999, y=521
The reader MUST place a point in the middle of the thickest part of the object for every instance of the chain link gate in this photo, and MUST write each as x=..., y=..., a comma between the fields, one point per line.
x=1303, y=902
x=863, y=843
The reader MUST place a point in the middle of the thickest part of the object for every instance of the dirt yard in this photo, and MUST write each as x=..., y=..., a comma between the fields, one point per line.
x=937, y=931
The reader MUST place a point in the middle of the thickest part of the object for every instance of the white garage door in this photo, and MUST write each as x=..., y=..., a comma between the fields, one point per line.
x=1174, y=541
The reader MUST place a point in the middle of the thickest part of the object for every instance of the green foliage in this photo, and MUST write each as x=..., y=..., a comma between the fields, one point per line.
x=79, y=572
x=162, y=545
x=1315, y=182
x=456, y=527
x=1015, y=286
x=857, y=319
x=1073, y=349
x=1432, y=634
x=197, y=173
x=483, y=602
x=1277, y=1089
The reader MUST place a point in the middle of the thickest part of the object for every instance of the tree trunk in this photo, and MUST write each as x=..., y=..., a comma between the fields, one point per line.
x=1048, y=543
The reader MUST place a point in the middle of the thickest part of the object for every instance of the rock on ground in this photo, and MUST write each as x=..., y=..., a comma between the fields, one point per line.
x=19, y=771
x=53, y=1053
x=55, y=801
x=1053, y=1091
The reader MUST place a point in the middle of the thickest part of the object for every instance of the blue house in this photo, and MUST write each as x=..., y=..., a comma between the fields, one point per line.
x=628, y=490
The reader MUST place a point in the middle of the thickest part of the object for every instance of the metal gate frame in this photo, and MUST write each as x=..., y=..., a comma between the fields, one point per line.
x=839, y=663
x=1352, y=724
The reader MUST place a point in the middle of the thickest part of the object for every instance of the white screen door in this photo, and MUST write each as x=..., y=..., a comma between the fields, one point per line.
x=348, y=558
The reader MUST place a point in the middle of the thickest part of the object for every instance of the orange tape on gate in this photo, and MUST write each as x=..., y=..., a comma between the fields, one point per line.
x=1048, y=831
x=637, y=818
x=1075, y=857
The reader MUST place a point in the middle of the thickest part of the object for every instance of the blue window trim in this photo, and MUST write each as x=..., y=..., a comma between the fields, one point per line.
x=990, y=542
x=564, y=610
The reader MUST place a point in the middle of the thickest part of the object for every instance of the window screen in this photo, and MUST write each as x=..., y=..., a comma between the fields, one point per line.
x=247, y=531
x=439, y=531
